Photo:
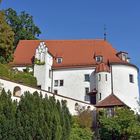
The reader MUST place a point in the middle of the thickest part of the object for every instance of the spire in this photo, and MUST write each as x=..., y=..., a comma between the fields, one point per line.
x=105, y=34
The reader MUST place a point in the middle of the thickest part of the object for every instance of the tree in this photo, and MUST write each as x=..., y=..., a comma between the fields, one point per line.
x=78, y=132
x=33, y=118
x=6, y=40
x=82, y=124
x=22, y=25
x=123, y=125
x=7, y=116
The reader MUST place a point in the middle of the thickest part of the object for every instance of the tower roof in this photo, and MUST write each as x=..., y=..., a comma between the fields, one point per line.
x=102, y=67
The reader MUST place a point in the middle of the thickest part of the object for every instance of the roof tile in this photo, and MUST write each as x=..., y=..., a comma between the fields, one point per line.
x=110, y=101
x=73, y=52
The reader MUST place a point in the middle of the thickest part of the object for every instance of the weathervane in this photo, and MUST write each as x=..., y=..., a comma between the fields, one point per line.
x=105, y=34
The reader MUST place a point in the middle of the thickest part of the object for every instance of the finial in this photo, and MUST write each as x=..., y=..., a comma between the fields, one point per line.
x=105, y=34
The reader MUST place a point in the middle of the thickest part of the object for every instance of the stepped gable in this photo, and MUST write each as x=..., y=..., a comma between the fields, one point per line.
x=73, y=52
x=110, y=101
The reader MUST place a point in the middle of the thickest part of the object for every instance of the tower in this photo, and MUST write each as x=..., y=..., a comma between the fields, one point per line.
x=43, y=67
x=102, y=76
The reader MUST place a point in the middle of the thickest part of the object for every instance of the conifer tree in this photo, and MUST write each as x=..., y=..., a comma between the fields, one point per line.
x=33, y=118
x=7, y=116
x=66, y=120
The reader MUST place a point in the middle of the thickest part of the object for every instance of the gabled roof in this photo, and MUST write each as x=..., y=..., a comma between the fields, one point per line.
x=73, y=52
x=110, y=101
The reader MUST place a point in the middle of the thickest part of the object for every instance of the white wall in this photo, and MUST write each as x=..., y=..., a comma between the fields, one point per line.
x=41, y=72
x=123, y=89
x=103, y=87
x=23, y=68
x=74, y=82
x=8, y=85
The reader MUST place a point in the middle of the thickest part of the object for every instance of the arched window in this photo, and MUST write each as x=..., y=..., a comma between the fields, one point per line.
x=17, y=91
x=76, y=106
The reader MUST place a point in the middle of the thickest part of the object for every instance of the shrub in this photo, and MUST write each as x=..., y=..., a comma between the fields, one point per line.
x=21, y=77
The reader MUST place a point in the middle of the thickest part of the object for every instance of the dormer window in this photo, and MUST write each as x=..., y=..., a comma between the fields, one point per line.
x=98, y=58
x=59, y=60
x=123, y=56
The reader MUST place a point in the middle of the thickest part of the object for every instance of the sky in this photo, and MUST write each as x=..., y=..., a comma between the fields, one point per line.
x=85, y=19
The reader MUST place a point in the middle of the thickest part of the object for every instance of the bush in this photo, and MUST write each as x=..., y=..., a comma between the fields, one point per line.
x=78, y=132
x=25, y=78
x=21, y=77
x=4, y=71
x=123, y=125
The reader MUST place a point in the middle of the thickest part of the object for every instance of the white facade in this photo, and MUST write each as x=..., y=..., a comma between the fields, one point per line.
x=123, y=87
x=74, y=82
x=121, y=80
x=103, y=85
x=43, y=67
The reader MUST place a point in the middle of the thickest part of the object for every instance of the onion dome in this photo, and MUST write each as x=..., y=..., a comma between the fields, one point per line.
x=102, y=67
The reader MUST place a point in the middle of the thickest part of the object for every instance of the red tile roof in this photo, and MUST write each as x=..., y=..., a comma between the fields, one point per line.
x=74, y=52
x=102, y=67
x=110, y=101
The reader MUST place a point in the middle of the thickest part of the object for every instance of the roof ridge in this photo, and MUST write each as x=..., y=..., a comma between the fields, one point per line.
x=97, y=39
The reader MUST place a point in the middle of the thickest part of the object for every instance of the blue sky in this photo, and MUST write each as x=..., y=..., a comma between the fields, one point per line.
x=85, y=19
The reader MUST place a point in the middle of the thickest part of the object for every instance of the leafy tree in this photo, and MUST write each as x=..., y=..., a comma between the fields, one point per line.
x=85, y=118
x=6, y=40
x=82, y=125
x=78, y=132
x=22, y=25
x=123, y=126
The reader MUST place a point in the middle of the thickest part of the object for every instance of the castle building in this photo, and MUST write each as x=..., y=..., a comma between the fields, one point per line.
x=87, y=70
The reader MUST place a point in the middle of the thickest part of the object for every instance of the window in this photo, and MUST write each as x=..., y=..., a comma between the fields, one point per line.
x=87, y=98
x=110, y=112
x=124, y=56
x=86, y=90
x=50, y=73
x=131, y=78
x=87, y=78
x=49, y=89
x=99, y=77
x=55, y=83
x=46, y=96
x=76, y=106
x=98, y=58
x=59, y=60
x=55, y=91
x=58, y=83
x=100, y=96
x=17, y=91
x=61, y=82
x=106, y=77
